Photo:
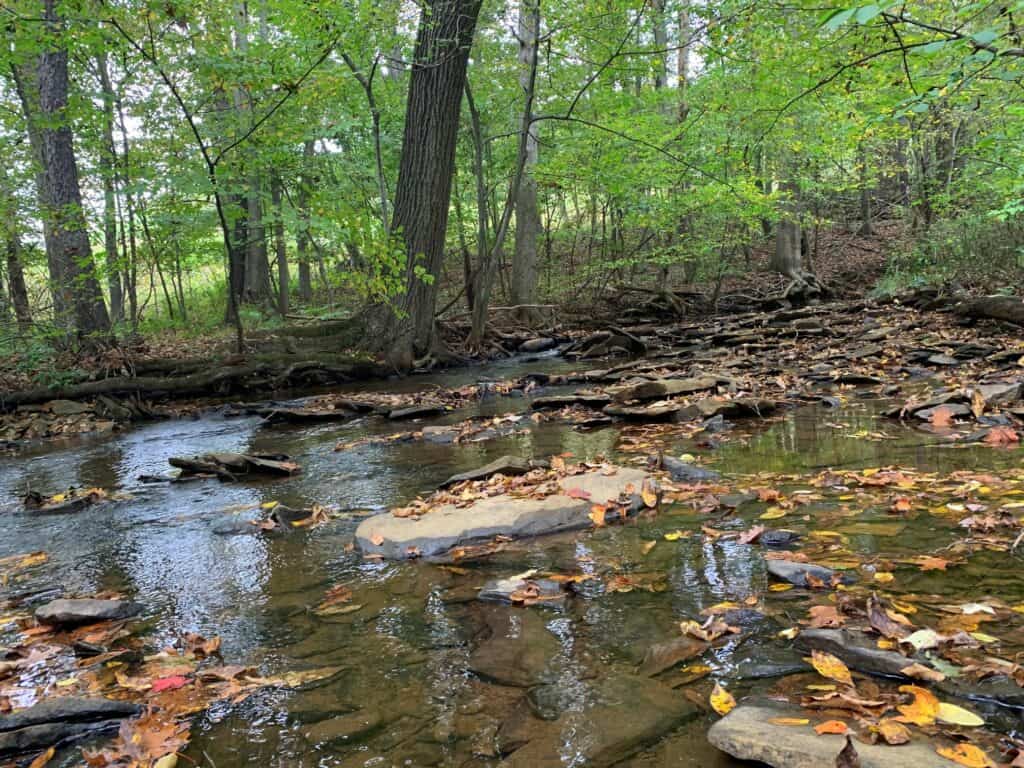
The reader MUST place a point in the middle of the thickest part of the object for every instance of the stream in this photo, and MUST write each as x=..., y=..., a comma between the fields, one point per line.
x=405, y=693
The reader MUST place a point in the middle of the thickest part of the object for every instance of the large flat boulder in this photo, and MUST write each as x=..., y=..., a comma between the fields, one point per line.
x=505, y=465
x=516, y=651
x=747, y=733
x=659, y=388
x=614, y=717
x=449, y=526
x=57, y=720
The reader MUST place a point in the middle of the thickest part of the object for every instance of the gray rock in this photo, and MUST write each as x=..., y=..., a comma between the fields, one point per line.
x=415, y=412
x=659, y=388
x=57, y=720
x=710, y=407
x=615, y=717
x=1000, y=394
x=71, y=612
x=857, y=649
x=448, y=526
x=440, y=434
x=682, y=472
x=549, y=593
x=67, y=408
x=943, y=360
x=541, y=344
x=796, y=573
x=779, y=538
x=955, y=409
x=591, y=400
x=506, y=465
x=746, y=733
x=650, y=412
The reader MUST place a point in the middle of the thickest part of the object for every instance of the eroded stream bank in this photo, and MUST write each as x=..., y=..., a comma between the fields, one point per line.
x=407, y=666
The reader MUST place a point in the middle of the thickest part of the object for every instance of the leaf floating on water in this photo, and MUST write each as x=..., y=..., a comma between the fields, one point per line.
x=923, y=639
x=923, y=709
x=951, y=714
x=597, y=515
x=649, y=493
x=831, y=726
x=721, y=700
x=43, y=759
x=830, y=666
x=967, y=755
x=647, y=547
x=921, y=672
x=773, y=513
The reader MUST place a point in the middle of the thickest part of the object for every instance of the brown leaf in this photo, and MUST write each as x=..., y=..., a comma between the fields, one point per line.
x=893, y=731
x=1002, y=436
x=942, y=417
x=751, y=535
x=882, y=623
x=825, y=617
x=921, y=672
x=43, y=759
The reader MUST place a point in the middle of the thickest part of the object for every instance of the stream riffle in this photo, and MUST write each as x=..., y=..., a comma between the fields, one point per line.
x=409, y=690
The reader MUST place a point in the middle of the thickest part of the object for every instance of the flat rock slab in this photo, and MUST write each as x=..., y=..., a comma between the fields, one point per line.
x=506, y=465
x=57, y=720
x=448, y=526
x=659, y=388
x=615, y=717
x=746, y=734
x=416, y=412
x=517, y=650
x=73, y=612
x=591, y=400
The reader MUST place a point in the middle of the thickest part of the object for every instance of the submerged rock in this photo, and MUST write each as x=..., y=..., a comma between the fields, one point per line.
x=415, y=412
x=349, y=728
x=611, y=719
x=525, y=591
x=662, y=656
x=65, y=612
x=540, y=344
x=682, y=472
x=516, y=649
x=59, y=719
x=798, y=573
x=747, y=733
x=449, y=526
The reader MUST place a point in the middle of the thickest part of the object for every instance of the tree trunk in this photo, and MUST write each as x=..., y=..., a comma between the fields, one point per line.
x=426, y=166
x=11, y=228
x=866, y=230
x=788, y=258
x=660, y=44
x=302, y=236
x=528, y=225
x=60, y=197
x=283, y=279
x=108, y=169
x=257, y=264
x=129, y=250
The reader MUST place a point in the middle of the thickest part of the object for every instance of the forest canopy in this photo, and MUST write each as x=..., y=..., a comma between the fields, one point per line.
x=201, y=165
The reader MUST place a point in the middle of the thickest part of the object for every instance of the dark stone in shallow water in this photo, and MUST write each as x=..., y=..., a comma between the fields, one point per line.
x=72, y=612
x=682, y=472
x=779, y=538
x=59, y=719
x=505, y=465
x=797, y=573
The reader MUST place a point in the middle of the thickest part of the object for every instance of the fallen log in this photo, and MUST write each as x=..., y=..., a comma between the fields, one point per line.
x=1009, y=309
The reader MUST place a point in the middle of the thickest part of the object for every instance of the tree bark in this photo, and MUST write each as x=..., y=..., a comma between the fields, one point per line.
x=528, y=224
x=425, y=170
x=866, y=230
x=108, y=168
x=302, y=236
x=280, y=251
x=9, y=224
x=788, y=258
x=44, y=99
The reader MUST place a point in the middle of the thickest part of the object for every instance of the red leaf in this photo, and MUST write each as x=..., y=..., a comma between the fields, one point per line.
x=577, y=493
x=169, y=683
x=1002, y=436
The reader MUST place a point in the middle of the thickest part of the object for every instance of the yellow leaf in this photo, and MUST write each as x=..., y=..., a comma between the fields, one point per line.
x=967, y=755
x=773, y=513
x=893, y=732
x=820, y=687
x=923, y=709
x=785, y=588
x=884, y=577
x=649, y=493
x=674, y=536
x=268, y=505
x=66, y=682
x=648, y=546
x=830, y=666
x=951, y=714
x=597, y=515
x=981, y=637
x=789, y=634
x=721, y=700
x=789, y=721
x=167, y=761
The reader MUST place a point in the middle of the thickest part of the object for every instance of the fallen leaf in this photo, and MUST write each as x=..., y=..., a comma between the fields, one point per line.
x=577, y=493
x=647, y=547
x=830, y=666
x=921, y=672
x=773, y=513
x=942, y=417
x=893, y=731
x=751, y=535
x=967, y=755
x=831, y=726
x=951, y=714
x=788, y=720
x=169, y=683
x=649, y=493
x=43, y=759
x=721, y=700
x=597, y=515
x=1002, y=436
x=923, y=709
x=376, y=539
x=825, y=616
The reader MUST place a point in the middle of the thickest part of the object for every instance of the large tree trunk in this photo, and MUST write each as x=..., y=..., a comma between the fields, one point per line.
x=302, y=242
x=788, y=258
x=11, y=228
x=108, y=167
x=280, y=251
x=44, y=99
x=426, y=166
x=528, y=224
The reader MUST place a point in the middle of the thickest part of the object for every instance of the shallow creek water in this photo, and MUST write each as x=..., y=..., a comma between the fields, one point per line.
x=403, y=656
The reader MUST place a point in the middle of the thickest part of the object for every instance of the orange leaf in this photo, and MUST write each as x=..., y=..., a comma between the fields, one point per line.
x=788, y=720
x=831, y=726
x=649, y=493
x=721, y=700
x=597, y=514
x=1002, y=436
x=923, y=709
x=967, y=755
x=42, y=759
x=942, y=417
x=377, y=539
